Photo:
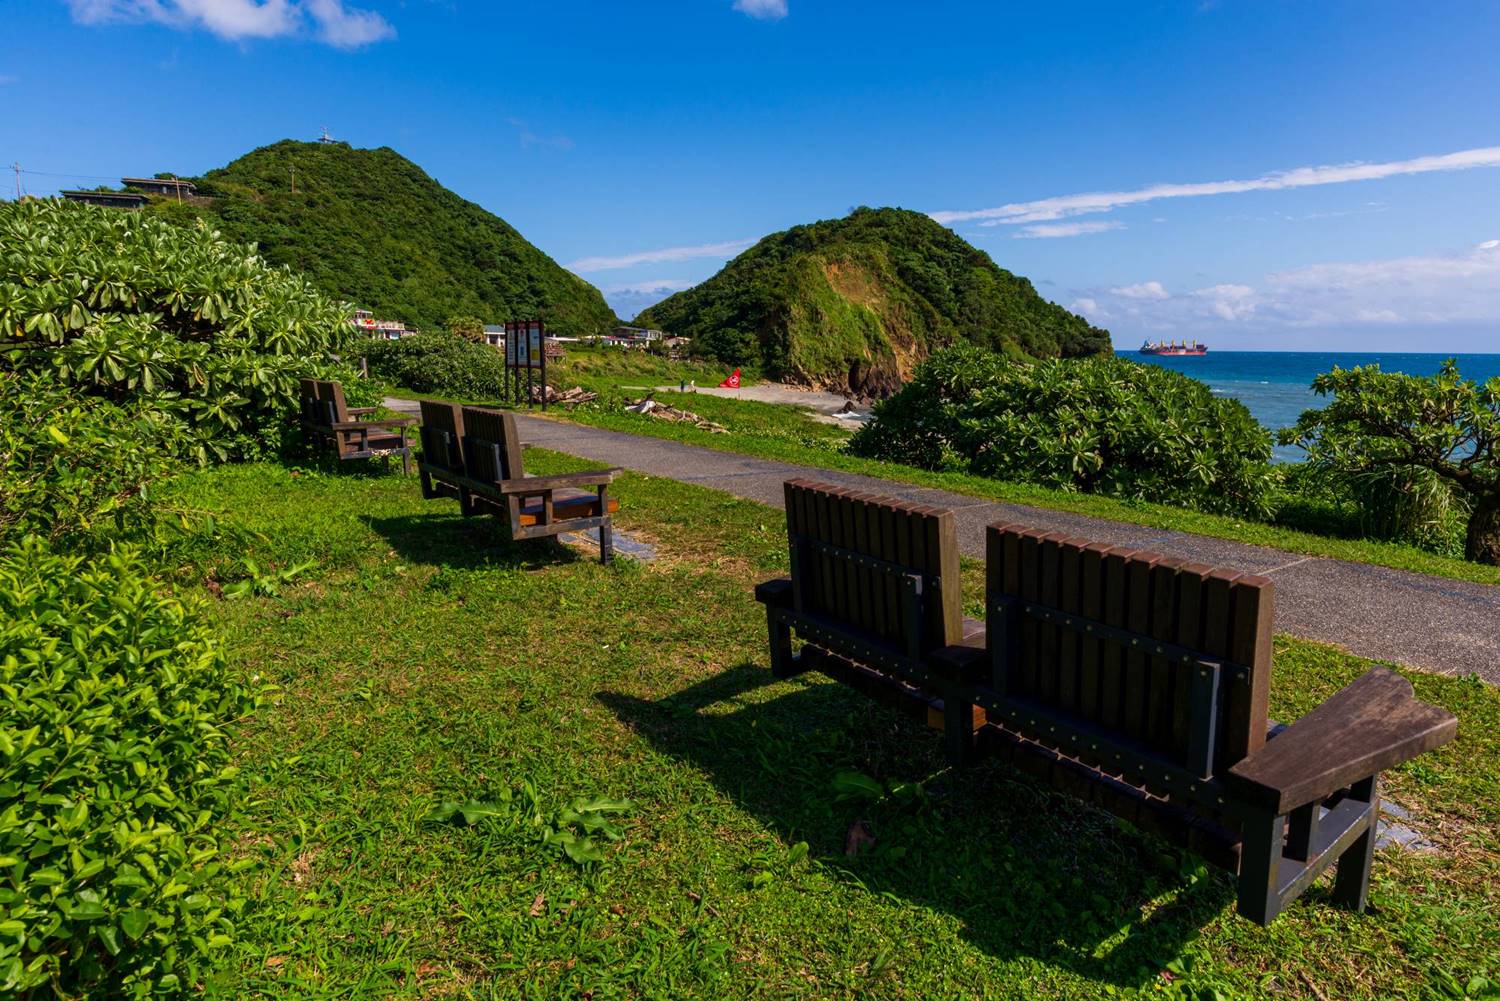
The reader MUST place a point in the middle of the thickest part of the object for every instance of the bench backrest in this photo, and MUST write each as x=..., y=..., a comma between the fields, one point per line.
x=443, y=435
x=876, y=566
x=1148, y=665
x=492, y=446
x=309, y=407
x=335, y=410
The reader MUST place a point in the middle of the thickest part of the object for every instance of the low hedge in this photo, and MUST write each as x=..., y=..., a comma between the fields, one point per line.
x=115, y=774
x=1096, y=425
x=439, y=363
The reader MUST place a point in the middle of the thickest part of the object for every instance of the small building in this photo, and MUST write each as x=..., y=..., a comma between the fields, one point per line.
x=109, y=199
x=643, y=334
x=161, y=186
x=494, y=335
x=384, y=330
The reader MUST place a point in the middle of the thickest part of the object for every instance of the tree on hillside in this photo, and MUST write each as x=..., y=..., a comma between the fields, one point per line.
x=470, y=328
x=1444, y=424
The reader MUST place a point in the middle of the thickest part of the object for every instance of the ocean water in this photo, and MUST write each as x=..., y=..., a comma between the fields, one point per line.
x=1276, y=385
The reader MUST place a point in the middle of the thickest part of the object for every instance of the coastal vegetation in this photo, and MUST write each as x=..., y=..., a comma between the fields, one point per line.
x=441, y=364
x=1097, y=426
x=370, y=227
x=198, y=335
x=855, y=303
x=1420, y=452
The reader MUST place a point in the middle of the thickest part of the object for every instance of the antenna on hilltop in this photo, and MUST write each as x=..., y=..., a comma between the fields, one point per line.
x=325, y=137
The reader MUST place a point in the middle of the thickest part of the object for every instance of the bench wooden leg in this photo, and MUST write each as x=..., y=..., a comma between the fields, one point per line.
x=465, y=502
x=958, y=731
x=1260, y=863
x=1351, y=883
x=783, y=665
x=606, y=541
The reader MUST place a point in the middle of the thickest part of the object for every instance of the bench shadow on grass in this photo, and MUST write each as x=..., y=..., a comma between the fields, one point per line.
x=451, y=541
x=1029, y=873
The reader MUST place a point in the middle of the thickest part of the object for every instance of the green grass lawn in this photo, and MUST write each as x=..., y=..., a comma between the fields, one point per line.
x=424, y=659
x=790, y=434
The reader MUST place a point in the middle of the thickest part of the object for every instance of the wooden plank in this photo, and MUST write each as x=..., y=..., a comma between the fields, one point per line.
x=1090, y=605
x=1246, y=696
x=946, y=605
x=842, y=571
x=1068, y=640
x=1189, y=634
x=820, y=531
x=1030, y=590
x=1137, y=619
x=1162, y=683
x=1218, y=613
x=1112, y=655
x=1047, y=633
x=998, y=622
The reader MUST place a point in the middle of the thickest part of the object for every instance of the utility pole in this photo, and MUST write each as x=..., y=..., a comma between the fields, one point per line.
x=17, y=166
x=294, y=178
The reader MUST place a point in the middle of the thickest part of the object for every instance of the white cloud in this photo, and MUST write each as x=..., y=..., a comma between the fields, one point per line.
x=649, y=287
x=1052, y=231
x=1145, y=290
x=529, y=138
x=1421, y=292
x=1228, y=302
x=765, y=10
x=720, y=250
x=1063, y=206
x=236, y=20
x=348, y=27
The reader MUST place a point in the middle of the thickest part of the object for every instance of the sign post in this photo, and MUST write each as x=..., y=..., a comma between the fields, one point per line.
x=525, y=351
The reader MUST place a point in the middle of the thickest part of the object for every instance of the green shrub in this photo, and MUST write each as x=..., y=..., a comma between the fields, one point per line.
x=1099, y=425
x=126, y=306
x=1415, y=452
x=439, y=363
x=116, y=775
x=77, y=470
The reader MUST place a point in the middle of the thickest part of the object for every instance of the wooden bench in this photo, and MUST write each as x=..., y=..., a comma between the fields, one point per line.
x=474, y=454
x=350, y=431
x=1139, y=683
x=874, y=589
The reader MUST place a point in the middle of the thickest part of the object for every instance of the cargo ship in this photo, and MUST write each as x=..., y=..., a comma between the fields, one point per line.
x=1174, y=348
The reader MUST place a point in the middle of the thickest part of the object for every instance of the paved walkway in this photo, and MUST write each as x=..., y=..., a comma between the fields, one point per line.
x=1442, y=625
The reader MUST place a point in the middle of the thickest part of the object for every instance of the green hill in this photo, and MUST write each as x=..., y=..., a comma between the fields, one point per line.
x=370, y=226
x=855, y=303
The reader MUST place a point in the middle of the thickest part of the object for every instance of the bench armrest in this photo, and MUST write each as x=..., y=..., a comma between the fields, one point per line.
x=776, y=592
x=541, y=484
x=384, y=422
x=962, y=662
x=1372, y=724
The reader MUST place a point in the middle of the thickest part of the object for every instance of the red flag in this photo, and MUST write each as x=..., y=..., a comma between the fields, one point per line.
x=733, y=382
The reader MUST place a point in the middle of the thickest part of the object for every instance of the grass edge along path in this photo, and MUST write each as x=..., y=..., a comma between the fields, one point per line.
x=789, y=434
x=1387, y=554
x=424, y=659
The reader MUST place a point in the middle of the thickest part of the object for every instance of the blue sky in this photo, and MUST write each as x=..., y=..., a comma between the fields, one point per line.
x=1273, y=175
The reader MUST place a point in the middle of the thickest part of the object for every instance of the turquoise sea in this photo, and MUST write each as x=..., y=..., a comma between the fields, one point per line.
x=1274, y=385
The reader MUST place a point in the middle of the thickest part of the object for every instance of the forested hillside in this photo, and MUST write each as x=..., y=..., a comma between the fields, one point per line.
x=855, y=303
x=371, y=227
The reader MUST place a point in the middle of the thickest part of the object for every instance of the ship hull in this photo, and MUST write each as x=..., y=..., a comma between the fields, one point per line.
x=1175, y=353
